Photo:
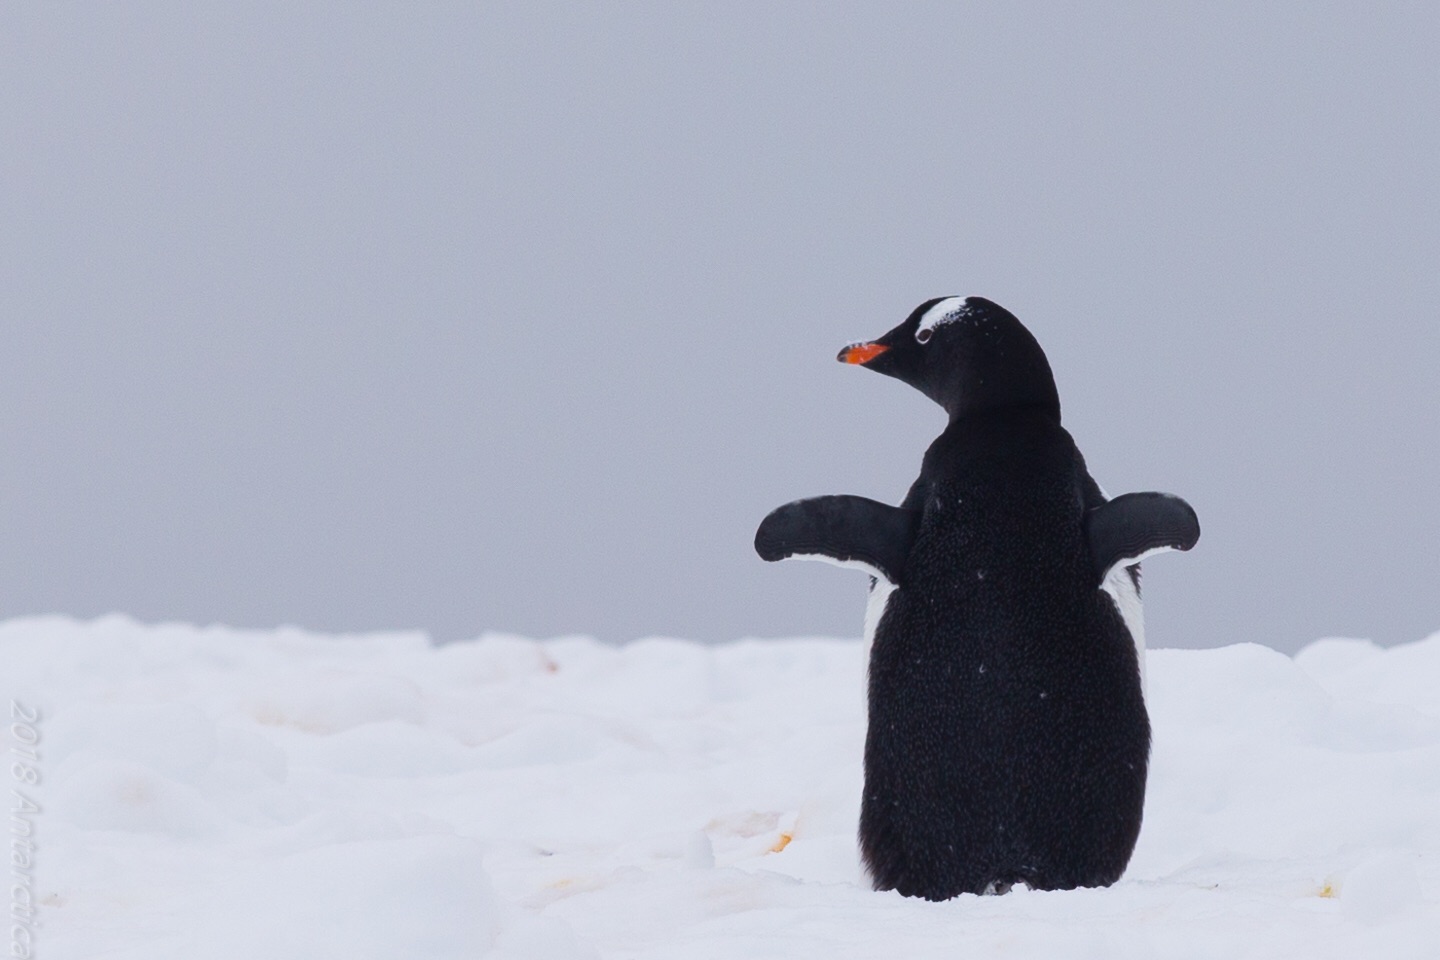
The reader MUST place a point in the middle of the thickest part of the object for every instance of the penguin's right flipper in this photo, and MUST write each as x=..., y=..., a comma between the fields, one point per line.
x=846, y=530
x=1136, y=525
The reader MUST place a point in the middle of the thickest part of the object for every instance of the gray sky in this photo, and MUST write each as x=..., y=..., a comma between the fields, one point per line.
x=520, y=317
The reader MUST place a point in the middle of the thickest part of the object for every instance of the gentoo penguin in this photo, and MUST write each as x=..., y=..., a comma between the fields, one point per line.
x=1008, y=738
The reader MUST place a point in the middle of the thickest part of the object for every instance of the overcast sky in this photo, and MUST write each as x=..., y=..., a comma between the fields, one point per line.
x=520, y=317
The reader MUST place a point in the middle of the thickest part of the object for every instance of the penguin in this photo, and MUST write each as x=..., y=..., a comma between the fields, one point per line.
x=1007, y=738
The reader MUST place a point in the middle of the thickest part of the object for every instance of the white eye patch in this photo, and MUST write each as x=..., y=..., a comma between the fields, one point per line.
x=946, y=311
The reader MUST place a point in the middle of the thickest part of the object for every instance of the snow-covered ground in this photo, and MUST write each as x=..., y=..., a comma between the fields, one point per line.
x=212, y=793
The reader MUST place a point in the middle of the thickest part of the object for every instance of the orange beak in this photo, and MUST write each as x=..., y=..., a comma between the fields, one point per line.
x=861, y=352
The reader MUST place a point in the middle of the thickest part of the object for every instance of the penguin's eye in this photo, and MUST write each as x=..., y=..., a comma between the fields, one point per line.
x=923, y=335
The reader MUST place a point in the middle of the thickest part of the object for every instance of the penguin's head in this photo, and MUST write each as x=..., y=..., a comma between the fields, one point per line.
x=965, y=353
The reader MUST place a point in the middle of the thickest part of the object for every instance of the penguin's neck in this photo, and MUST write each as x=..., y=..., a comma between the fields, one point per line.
x=959, y=415
x=998, y=446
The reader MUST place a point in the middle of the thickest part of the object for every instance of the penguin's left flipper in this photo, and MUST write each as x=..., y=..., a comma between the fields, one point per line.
x=1136, y=525
x=846, y=530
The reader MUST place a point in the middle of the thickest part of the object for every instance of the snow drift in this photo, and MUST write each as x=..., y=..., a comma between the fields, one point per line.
x=212, y=793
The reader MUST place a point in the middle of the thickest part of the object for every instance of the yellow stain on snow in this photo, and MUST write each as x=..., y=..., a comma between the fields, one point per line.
x=782, y=843
x=749, y=824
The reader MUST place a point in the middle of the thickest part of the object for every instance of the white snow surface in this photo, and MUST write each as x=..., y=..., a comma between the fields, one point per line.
x=215, y=793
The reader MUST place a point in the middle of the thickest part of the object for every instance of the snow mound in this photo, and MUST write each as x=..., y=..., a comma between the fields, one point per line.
x=212, y=793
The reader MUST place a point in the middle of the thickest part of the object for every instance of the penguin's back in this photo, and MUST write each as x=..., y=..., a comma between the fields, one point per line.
x=1008, y=738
